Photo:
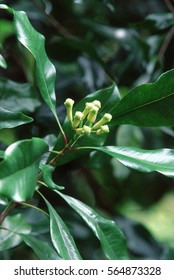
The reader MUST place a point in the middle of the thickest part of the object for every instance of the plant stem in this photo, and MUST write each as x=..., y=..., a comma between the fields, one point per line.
x=61, y=129
x=34, y=207
x=7, y=210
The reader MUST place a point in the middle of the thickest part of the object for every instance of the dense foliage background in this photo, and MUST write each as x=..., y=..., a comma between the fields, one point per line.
x=93, y=43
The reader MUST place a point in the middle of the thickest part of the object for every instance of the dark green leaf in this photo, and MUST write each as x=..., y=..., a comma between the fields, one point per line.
x=9, y=119
x=42, y=249
x=18, y=97
x=19, y=169
x=61, y=238
x=111, y=238
x=47, y=171
x=148, y=105
x=161, y=160
x=13, y=227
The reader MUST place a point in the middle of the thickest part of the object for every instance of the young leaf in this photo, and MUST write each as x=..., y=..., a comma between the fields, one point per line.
x=9, y=119
x=148, y=104
x=110, y=236
x=41, y=248
x=13, y=226
x=61, y=238
x=19, y=169
x=161, y=160
x=47, y=171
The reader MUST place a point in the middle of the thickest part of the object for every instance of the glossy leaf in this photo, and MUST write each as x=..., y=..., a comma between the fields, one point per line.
x=47, y=171
x=18, y=97
x=35, y=43
x=42, y=249
x=13, y=226
x=161, y=160
x=9, y=119
x=61, y=238
x=3, y=63
x=19, y=169
x=148, y=105
x=110, y=236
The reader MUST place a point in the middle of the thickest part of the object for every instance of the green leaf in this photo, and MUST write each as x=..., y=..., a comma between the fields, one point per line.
x=47, y=171
x=148, y=105
x=3, y=63
x=2, y=154
x=9, y=119
x=19, y=169
x=61, y=238
x=13, y=226
x=42, y=249
x=18, y=97
x=161, y=160
x=35, y=43
x=110, y=236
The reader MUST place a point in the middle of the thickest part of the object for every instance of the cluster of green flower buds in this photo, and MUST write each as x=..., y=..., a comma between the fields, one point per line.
x=85, y=122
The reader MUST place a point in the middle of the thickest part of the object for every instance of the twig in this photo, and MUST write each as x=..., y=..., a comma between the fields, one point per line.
x=166, y=42
x=170, y=5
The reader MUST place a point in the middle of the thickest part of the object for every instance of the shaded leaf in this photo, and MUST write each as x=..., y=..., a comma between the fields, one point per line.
x=19, y=169
x=9, y=119
x=18, y=97
x=110, y=236
x=61, y=238
x=147, y=105
x=47, y=171
x=161, y=160
x=159, y=21
x=14, y=225
x=42, y=249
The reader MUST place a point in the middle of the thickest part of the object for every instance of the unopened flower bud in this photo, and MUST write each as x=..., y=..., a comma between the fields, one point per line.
x=93, y=114
x=77, y=119
x=69, y=105
x=86, y=130
x=97, y=103
x=103, y=129
x=80, y=131
x=105, y=119
x=88, y=108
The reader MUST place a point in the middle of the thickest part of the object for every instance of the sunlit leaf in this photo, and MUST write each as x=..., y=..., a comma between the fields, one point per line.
x=61, y=238
x=3, y=63
x=19, y=169
x=110, y=236
x=148, y=105
x=161, y=160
